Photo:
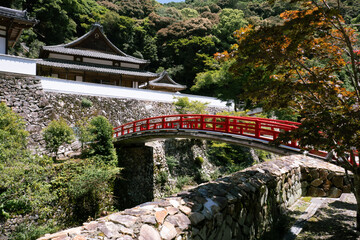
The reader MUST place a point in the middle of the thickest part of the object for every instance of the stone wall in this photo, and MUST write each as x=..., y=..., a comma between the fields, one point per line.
x=242, y=206
x=24, y=94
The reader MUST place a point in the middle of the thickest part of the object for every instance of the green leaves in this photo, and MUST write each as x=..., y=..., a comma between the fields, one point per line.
x=56, y=134
x=101, y=142
x=184, y=106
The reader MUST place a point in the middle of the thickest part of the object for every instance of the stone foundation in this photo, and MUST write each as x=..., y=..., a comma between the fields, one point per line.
x=242, y=206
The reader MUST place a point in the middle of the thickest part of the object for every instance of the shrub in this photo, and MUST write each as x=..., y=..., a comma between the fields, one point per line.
x=12, y=135
x=86, y=103
x=22, y=176
x=162, y=178
x=172, y=163
x=56, y=134
x=101, y=141
x=182, y=181
x=90, y=191
x=184, y=106
x=31, y=232
x=199, y=161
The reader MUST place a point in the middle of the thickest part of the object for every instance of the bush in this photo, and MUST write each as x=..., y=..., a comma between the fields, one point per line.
x=184, y=106
x=56, y=134
x=31, y=232
x=199, y=161
x=101, y=141
x=23, y=177
x=12, y=135
x=90, y=191
x=183, y=180
x=172, y=163
x=86, y=103
x=162, y=178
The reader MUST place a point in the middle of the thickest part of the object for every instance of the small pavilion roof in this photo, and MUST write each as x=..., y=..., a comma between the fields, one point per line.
x=108, y=51
x=164, y=81
x=93, y=68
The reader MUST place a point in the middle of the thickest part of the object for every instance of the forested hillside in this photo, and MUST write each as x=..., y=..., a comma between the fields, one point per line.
x=178, y=37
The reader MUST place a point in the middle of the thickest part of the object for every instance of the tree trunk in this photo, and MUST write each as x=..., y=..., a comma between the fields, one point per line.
x=357, y=196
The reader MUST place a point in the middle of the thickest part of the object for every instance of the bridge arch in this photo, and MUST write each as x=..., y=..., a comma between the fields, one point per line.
x=251, y=132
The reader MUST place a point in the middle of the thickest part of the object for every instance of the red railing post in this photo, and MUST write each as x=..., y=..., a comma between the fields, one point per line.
x=163, y=122
x=202, y=122
x=147, y=124
x=227, y=125
x=181, y=121
x=134, y=127
x=257, y=129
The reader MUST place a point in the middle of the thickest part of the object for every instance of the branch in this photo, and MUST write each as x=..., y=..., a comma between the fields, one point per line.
x=339, y=27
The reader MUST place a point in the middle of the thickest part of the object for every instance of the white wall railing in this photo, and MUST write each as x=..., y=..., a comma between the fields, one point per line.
x=93, y=89
x=14, y=64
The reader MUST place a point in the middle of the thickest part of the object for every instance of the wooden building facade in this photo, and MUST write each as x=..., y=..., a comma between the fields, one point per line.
x=93, y=58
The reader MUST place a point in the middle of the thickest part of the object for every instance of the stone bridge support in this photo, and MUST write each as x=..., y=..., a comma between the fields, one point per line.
x=136, y=183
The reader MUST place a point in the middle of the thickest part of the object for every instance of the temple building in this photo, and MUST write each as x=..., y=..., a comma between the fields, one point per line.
x=12, y=23
x=93, y=58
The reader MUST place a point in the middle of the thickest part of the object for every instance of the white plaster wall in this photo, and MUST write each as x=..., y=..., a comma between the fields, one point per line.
x=15, y=64
x=93, y=89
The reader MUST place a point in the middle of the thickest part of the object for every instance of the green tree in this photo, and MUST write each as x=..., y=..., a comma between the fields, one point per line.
x=101, y=142
x=221, y=83
x=230, y=21
x=188, y=54
x=188, y=13
x=56, y=134
x=304, y=57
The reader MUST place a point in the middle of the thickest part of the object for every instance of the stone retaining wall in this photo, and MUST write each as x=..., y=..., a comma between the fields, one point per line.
x=242, y=206
x=25, y=95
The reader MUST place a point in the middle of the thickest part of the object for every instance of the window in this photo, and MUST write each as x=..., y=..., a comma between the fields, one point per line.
x=135, y=85
x=79, y=78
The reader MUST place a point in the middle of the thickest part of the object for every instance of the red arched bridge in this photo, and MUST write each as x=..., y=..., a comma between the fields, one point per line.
x=246, y=131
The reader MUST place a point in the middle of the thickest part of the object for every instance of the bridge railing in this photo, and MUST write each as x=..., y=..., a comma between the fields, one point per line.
x=260, y=128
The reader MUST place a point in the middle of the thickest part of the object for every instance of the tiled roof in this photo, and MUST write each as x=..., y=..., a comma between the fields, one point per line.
x=165, y=81
x=17, y=14
x=94, y=54
x=94, y=68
